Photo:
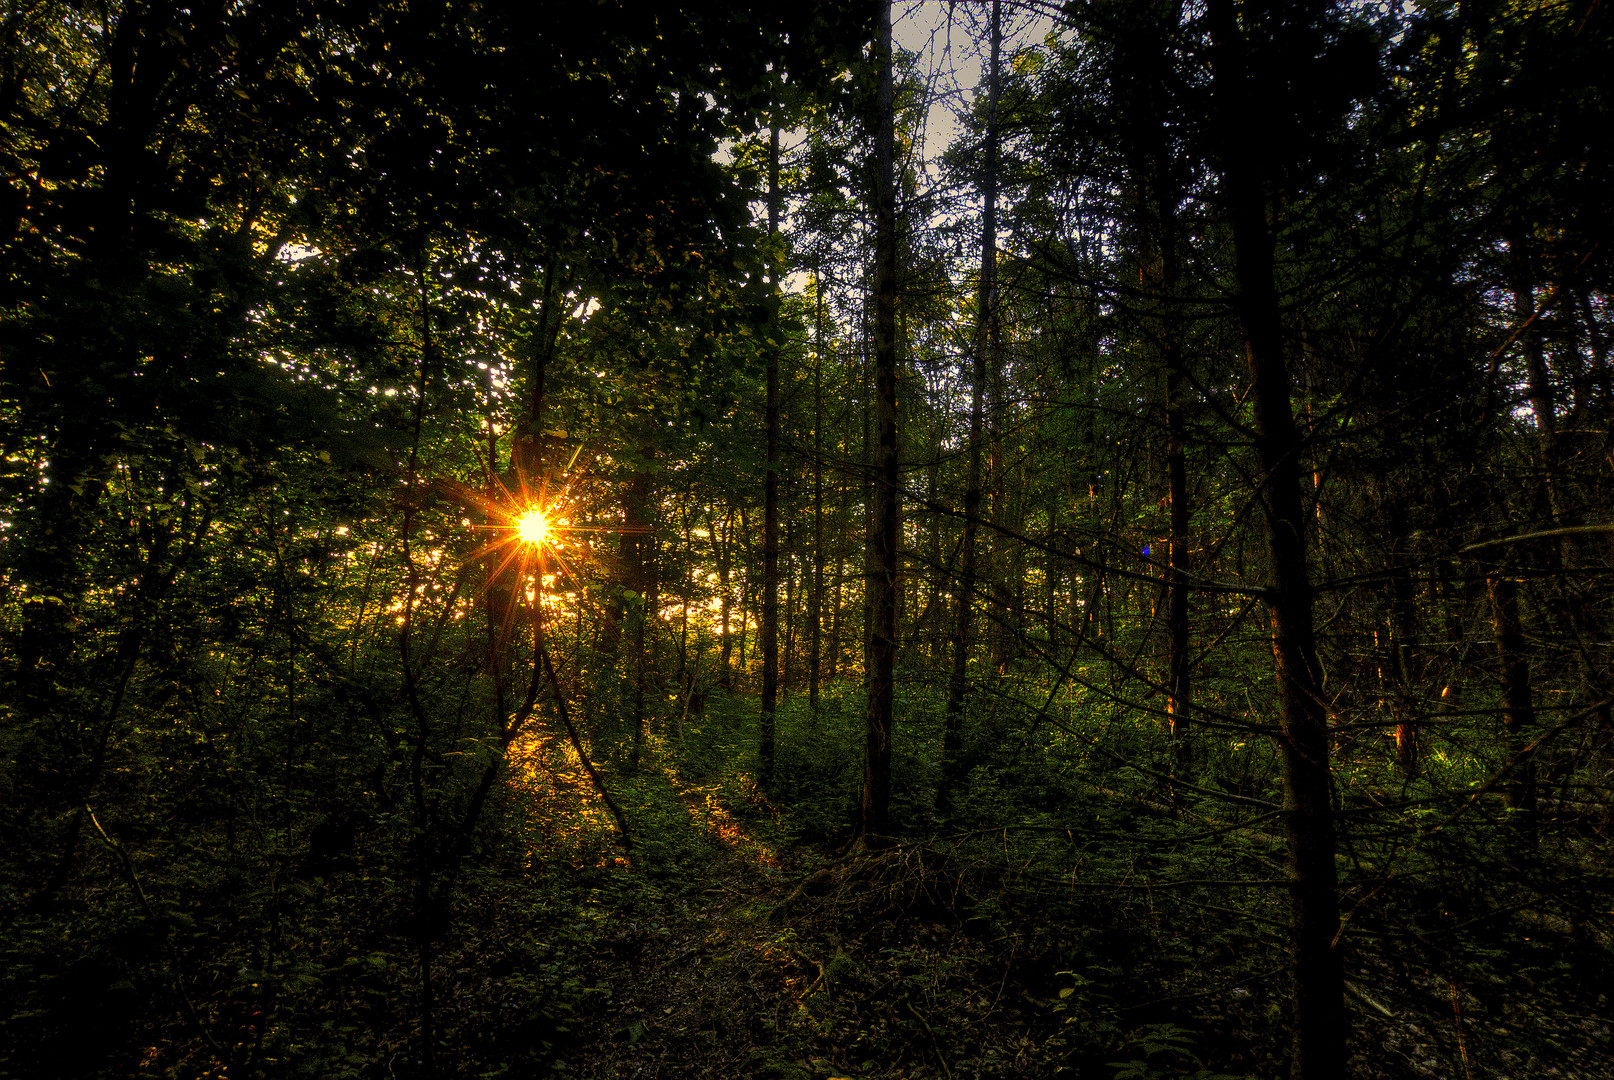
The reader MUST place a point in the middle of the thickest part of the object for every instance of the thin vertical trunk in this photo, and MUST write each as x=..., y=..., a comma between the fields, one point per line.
x=1518, y=707
x=883, y=576
x=1179, y=687
x=993, y=571
x=1316, y=971
x=722, y=555
x=1538, y=380
x=933, y=616
x=870, y=487
x=496, y=591
x=687, y=587
x=770, y=515
x=1404, y=667
x=427, y=899
x=1052, y=575
x=792, y=594
x=1179, y=696
x=524, y=478
x=744, y=632
x=985, y=312
x=640, y=578
x=837, y=608
x=815, y=602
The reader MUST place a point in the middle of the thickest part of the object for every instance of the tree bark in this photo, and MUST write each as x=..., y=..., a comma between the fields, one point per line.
x=1404, y=667
x=722, y=555
x=1179, y=689
x=883, y=571
x=815, y=602
x=638, y=555
x=1518, y=707
x=985, y=313
x=770, y=517
x=1317, y=976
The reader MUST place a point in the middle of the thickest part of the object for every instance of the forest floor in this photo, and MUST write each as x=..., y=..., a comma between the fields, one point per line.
x=725, y=946
x=752, y=958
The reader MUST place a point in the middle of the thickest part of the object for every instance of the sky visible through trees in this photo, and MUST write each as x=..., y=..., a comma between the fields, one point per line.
x=920, y=540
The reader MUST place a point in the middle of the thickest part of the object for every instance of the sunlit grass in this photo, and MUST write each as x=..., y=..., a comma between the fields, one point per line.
x=707, y=811
x=563, y=807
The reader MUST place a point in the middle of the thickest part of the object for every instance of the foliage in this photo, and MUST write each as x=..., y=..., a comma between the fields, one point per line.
x=309, y=768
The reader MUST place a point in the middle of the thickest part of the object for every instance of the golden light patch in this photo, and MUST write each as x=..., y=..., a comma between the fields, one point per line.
x=533, y=527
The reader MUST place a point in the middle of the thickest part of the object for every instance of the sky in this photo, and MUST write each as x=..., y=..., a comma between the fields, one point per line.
x=948, y=40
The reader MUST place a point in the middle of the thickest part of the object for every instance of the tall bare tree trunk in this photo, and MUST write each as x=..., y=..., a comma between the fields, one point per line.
x=1316, y=971
x=985, y=313
x=1404, y=665
x=722, y=555
x=1518, y=708
x=843, y=517
x=638, y=555
x=815, y=602
x=883, y=530
x=1179, y=688
x=770, y=515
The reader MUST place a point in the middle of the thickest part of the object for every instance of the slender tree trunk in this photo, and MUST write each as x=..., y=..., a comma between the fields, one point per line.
x=1052, y=575
x=883, y=581
x=1404, y=665
x=933, y=616
x=770, y=515
x=1179, y=687
x=787, y=669
x=1538, y=380
x=1157, y=198
x=985, y=313
x=1316, y=971
x=1518, y=707
x=843, y=517
x=431, y=910
x=1179, y=690
x=815, y=603
x=523, y=480
x=745, y=614
x=637, y=553
x=686, y=587
x=722, y=555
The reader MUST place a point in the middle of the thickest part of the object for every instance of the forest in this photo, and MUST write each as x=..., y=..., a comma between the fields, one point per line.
x=1009, y=539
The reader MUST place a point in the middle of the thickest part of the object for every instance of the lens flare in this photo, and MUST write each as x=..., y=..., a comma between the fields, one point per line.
x=533, y=528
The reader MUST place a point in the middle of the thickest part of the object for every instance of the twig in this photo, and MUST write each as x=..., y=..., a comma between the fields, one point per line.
x=168, y=945
x=582, y=755
x=1567, y=530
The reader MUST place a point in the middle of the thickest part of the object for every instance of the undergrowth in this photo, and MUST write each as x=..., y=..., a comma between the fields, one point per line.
x=1069, y=912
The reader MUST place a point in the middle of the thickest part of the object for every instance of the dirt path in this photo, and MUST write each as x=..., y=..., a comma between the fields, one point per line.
x=703, y=983
x=729, y=958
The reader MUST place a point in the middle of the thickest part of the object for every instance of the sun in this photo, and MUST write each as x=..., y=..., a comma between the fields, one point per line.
x=532, y=527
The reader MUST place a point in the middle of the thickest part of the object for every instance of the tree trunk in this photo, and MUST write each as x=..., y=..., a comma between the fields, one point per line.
x=1179, y=696
x=843, y=519
x=1518, y=708
x=770, y=516
x=985, y=313
x=1316, y=972
x=1404, y=666
x=883, y=576
x=722, y=554
x=815, y=602
x=639, y=577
